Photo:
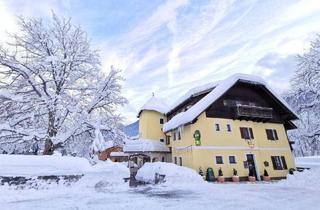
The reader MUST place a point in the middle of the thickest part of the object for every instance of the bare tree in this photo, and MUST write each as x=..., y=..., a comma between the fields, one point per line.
x=305, y=98
x=52, y=86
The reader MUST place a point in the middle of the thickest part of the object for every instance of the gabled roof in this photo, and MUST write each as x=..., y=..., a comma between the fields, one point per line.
x=220, y=88
x=154, y=104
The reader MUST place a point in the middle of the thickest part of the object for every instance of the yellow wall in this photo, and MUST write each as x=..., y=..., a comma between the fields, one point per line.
x=224, y=143
x=149, y=125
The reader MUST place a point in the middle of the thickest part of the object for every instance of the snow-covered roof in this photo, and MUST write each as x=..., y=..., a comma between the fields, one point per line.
x=145, y=145
x=118, y=154
x=154, y=104
x=219, y=89
x=194, y=92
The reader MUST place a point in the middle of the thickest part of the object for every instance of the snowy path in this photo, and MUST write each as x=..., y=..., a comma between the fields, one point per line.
x=102, y=187
x=211, y=196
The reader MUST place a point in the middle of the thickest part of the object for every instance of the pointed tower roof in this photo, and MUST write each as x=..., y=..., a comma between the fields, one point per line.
x=154, y=104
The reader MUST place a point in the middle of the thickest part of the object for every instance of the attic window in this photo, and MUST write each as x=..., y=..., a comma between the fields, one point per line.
x=228, y=127
x=217, y=126
x=161, y=121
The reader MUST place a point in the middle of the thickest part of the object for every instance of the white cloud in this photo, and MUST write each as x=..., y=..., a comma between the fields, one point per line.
x=7, y=22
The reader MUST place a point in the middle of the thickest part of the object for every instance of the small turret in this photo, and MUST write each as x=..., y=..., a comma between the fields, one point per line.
x=151, y=119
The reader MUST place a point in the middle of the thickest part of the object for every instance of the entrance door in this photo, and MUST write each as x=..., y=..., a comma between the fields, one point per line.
x=251, y=165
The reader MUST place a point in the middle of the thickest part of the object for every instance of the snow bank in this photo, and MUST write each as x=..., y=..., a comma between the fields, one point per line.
x=306, y=179
x=106, y=176
x=308, y=162
x=174, y=174
x=31, y=165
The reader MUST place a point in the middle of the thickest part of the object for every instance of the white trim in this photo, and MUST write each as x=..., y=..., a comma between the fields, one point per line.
x=232, y=148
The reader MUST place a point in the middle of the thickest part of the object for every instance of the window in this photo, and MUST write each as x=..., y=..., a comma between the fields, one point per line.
x=179, y=135
x=228, y=127
x=272, y=134
x=246, y=133
x=161, y=121
x=232, y=159
x=161, y=140
x=279, y=162
x=167, y=140
x=219, y=160
x=174, y=136
x=180, y=161
x=217, y=126
x=175, y=160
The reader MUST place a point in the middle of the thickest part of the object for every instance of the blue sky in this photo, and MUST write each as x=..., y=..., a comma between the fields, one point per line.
x=167, y=47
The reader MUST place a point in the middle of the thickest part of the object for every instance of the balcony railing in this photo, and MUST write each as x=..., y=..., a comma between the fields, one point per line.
x=249, y=111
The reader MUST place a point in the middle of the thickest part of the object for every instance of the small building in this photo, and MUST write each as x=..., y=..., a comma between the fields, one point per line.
x=146, y=150
x=236, y=123
x=106, y=154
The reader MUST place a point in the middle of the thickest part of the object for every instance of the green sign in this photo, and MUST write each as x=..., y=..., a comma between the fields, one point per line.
x=197, y=137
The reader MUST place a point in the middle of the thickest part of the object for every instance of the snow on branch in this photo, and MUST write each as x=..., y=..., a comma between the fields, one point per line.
x=51, y=85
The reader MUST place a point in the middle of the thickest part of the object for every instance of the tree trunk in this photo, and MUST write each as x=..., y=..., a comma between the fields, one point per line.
x=48, y=147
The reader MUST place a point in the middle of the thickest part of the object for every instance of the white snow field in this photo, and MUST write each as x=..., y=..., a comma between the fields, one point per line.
x=308, y=162
x=102, y=187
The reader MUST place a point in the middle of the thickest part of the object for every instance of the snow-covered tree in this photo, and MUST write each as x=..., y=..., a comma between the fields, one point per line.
x=52, y=87
x=305, y=99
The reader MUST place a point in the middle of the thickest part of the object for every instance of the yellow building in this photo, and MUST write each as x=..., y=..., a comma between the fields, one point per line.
x=237, y=123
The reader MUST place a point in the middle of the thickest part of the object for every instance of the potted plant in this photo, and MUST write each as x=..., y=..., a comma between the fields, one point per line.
x=266, y=176
x=220, y=177
x=235, y=177
x=201, y=173
x=252, y=178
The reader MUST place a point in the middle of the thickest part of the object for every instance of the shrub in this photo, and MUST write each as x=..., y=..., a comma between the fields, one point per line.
x=235, y=172
x=220, y=172
x=265, y=173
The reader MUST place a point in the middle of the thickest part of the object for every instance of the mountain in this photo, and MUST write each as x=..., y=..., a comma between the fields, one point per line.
x=132, y=129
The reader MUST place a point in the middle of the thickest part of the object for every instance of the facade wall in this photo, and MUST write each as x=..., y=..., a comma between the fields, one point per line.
x=149, y=125
x=226, y=143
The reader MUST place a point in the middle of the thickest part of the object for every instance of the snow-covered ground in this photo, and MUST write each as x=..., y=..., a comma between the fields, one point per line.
x=308, y=162
x=102, y=187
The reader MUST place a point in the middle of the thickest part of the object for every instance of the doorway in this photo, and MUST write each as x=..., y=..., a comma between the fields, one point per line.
x=252, y=165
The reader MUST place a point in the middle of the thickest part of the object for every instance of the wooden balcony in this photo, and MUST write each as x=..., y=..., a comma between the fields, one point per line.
x=254, y=113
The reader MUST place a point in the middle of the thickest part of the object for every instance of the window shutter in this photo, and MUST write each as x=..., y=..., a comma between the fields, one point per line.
x=273, y=159
x=275, y=134
x=284, y=164
x=251, y=133
x=242, y=133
